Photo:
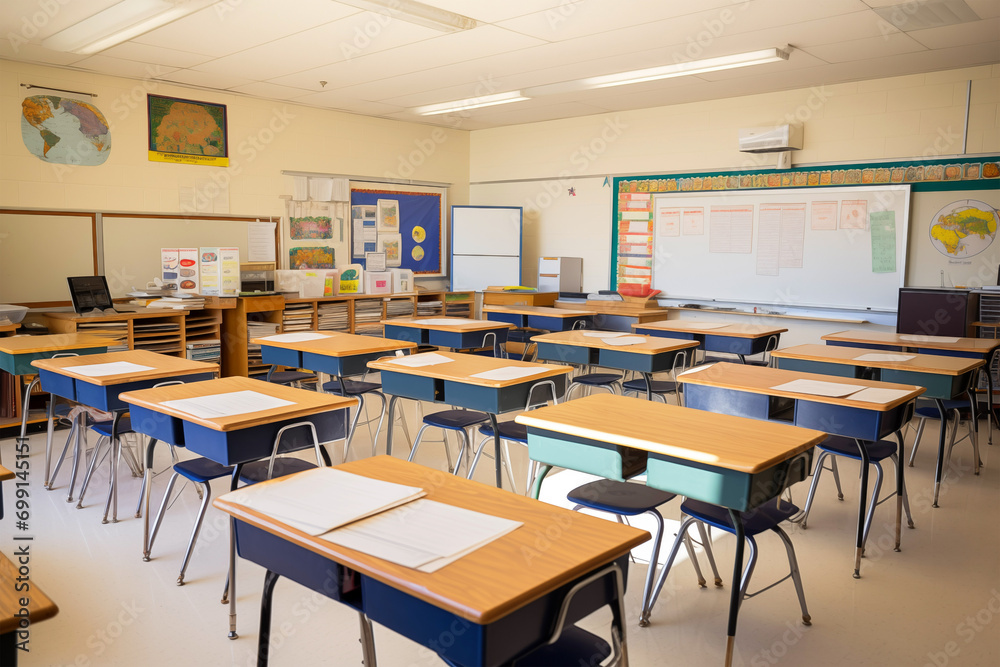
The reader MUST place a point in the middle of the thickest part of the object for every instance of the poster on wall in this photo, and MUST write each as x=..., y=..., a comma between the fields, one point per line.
x=317, y=235
x=187, y=132
x=64, y=130
x=406, y=226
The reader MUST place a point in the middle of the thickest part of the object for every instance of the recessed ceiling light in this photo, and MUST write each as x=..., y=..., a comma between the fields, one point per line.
x=470, y=103
x=417, y=13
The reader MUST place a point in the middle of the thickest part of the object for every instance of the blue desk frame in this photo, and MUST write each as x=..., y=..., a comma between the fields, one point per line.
x=443, y=337
x=741, y=346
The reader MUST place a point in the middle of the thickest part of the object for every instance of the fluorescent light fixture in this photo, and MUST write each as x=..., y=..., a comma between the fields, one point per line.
x=418, y=13
x=120, y=23
x=471, y=103
x=686, y=68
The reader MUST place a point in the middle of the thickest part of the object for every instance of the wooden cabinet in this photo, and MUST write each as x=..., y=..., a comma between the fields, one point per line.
x=496, y=298
x=162, y=331
x=452, y=304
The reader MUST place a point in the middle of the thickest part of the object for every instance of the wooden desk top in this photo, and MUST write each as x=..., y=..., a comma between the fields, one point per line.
x=494, y=580
x=6, y=474
x=459, y=324
x=923, y=363
x=339, y=344
x=40, y=607
x=306, y=402
x=543, y=311
x=735, y=443
x=163, y=366
x=761, y=380
x=53, y=343
x=624, y=308
x=652, y=344
x=121, y=315
x=465, y=365
x=731, y=329
x=979, y=345
x=9, y=328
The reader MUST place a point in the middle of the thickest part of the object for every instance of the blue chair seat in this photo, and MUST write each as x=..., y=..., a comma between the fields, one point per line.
x=756, y=521
x=289, y=377
x=509, y=430
x=201, y=470
x=842, y=446
x=255, y=472
x=592, y=379
x=658, y=386
x=574, y=647
x=609, y=495
x=930, y=411
x=455, y=419
x=104, y=428
x=351, y=387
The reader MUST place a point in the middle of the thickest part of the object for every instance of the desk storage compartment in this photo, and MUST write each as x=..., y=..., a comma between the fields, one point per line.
x=20, y=364
x=416, y=387
x=466, y=643
x=635, y=361
x=724, y=487
x=105, y=397
x=821, y=367
x=298, y=564
x=157, y=425
x=596, y=458
x=409, y=334
x=55, y=383
x=250, y=444
x=567, y=354
x=660, y=333
x=354, y=364
x=516, y=319
x=467, y=340
x=499, y=399
x=281, y=356
x=864, y=424
x=869, y=346
x=733, y=345
x=547, y=323
x=727, y=401
x=938, y=386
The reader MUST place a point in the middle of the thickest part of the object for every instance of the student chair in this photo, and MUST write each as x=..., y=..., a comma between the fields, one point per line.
x=609, y=381
x=290, y=378
x=459, y=421
x=765, y=360
x=837, y=445
x=957, y=408
x=103, y=429
x=762, y=518
x=628, y=499
x=658, y=388
x=358, y=388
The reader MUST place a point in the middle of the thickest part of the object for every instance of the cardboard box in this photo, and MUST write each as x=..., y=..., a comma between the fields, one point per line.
x=378, y=282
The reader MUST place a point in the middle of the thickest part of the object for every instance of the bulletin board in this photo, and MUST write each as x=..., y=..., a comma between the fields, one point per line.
x=408, y=226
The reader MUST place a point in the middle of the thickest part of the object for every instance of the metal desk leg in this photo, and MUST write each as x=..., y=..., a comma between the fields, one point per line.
x=536, y=488
x=940, y=456
x=144, y=493
x=23, y=438
x=112, y=501
x=49, y=428
x=497, y=459
x=862, y=500
x=229, y=594
x=648, y=377
x=974, y=406
x=264, y=636
x=392, y=419
x=367, y=641
x=899, y=486
x=736, y=592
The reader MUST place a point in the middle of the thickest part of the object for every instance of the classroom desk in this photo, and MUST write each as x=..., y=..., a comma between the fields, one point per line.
x=619, y=315
x=458, y=333
x=40, y=607
x=944, y=377
x=546, y=318
x=17, y=353
x=733, y=462
x=59, y=377
x=503, y=597
x=728, y=337
x=452, y=383
x=231, y=440
x=749, y=391
x=337, y=354
x=582, y=347
x=4, y=476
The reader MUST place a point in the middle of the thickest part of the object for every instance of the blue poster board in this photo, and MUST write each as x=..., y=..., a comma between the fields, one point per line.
x=418, y=222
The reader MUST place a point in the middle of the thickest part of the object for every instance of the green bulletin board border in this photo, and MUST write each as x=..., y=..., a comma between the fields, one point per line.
x=969, y=176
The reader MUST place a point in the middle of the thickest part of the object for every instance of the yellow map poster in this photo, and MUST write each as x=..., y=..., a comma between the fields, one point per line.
x=187, y=132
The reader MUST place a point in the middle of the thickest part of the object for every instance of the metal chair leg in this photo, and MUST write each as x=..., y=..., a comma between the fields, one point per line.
x=873, y=502
x=916, y=439
x=706, y=543
x=90, y=470
x=194, y=532
x=793, y=564
x=70, y=437
x=155, y=528
x=354, y=425
x=812, y=489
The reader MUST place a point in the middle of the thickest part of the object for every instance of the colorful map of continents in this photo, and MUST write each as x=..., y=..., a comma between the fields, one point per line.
x=964, y=228
x=61, y=130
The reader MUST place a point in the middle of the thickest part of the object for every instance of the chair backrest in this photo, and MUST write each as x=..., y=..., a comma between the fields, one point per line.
x=292, y=444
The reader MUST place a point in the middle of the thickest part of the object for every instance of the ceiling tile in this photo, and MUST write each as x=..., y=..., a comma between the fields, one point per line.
x=35, y=21
x=866, y=49
x=491, y=11
x=958, y=35
x=270, y=91
x=155, y=54
x=132, y=69
x=204, y=79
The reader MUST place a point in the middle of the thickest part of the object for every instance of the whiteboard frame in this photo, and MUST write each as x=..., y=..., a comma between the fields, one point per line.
x=810, y=195
x=479, y=248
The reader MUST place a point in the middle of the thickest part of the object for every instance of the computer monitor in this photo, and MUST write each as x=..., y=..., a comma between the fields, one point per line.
x=89, y=292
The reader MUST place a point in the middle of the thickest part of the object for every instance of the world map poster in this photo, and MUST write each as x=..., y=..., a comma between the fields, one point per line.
x=187, y=132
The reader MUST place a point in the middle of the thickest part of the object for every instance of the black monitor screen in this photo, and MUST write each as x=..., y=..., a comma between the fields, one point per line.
x=932, y=312
x=89, y=292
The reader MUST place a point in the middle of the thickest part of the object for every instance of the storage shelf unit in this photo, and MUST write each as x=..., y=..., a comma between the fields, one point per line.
x=988, y=326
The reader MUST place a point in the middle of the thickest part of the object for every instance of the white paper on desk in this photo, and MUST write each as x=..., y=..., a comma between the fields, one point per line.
x=603, y=334
x=317, y=501
x=419, y=360
x=624, y=340
x=425, y=534
x=439, y=321
x=683, y=326
x=697, y=369
x=113, y=368
x=297, y=337
x=509, y=373
x=819, y=388
x=878, y=395
x=227, y=405
x=878, y=356
x=928, y=339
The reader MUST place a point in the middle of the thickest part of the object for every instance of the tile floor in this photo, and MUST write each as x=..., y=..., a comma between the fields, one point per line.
x=936, y=603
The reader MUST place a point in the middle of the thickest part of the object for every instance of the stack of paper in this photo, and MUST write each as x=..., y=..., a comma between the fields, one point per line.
x=820, y=388
x=332, y=316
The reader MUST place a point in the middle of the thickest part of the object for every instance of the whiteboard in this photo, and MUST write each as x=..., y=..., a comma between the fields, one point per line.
x=776, y=248
x=38, y=251
x=477, y=272
x=486, y=230
x=132, y=244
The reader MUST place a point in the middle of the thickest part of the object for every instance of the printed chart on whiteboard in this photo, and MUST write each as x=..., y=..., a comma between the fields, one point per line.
x=635, y=239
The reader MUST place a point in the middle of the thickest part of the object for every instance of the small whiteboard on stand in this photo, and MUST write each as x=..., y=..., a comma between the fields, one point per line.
x=485, y=246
